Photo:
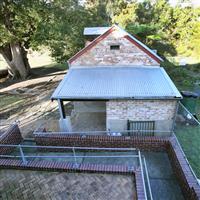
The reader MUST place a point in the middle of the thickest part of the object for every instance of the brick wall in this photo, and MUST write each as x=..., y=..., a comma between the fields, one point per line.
x=141, y=109
x=142, y=143
x=11, y=136
x=128, y=54
x=187, y=181
x=188, y=184
x=161, y=111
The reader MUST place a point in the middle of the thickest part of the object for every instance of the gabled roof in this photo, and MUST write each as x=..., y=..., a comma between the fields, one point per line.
x=128, y=36
x=122, y=82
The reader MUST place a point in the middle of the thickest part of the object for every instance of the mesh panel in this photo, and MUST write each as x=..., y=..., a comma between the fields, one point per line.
x=184, y=116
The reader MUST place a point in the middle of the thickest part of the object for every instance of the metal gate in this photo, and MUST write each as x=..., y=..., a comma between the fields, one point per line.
x=146, y=128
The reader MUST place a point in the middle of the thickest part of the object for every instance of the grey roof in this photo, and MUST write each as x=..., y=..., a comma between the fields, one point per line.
x=116, y=83
x=95, y=30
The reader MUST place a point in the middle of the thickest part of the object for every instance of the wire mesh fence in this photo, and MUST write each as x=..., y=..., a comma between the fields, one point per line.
x=184, y=116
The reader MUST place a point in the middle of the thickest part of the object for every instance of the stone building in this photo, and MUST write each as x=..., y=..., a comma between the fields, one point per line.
x=116, y=83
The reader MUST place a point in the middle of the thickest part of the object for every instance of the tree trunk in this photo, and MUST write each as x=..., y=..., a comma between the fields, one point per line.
x=16, y=57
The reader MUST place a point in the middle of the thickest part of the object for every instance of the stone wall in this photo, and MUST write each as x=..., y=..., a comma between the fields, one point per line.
x=101, y=54
x=160, y=111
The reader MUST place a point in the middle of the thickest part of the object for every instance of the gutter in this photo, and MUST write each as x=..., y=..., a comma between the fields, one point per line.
x=113, y=98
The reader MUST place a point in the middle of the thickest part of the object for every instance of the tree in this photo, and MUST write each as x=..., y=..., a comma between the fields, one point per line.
x=63, y=33
x=106, y=9
x=19, y=20
x=127, y=15
x=57, y=24
x=168, y=29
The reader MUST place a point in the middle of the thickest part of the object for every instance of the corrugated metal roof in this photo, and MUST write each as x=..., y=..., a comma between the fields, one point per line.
x=95, y=30
x=116, y=83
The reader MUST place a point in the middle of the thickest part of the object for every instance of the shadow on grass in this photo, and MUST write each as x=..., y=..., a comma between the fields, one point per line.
x=38, y=72
x=47, y=70
x=26, y=108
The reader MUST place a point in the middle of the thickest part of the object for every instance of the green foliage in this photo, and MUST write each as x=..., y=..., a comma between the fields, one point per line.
x=59, y=24
x=106, y=10
x=170, y=30
x=126, y=16
x=63, y=32
x=20, y=19
x=183, y=76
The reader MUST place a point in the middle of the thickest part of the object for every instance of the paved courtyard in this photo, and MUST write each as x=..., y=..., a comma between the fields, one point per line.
x=18, y=184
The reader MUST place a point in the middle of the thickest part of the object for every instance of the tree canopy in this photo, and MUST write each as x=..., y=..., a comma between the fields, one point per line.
x=59, y=24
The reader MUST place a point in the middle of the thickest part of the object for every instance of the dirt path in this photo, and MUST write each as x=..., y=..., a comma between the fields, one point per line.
x=29, y=102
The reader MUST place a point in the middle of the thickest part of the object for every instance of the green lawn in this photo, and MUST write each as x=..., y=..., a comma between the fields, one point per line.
x=189, y=138
x=187, y=78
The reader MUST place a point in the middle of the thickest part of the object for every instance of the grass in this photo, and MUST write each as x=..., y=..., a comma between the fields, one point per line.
x=189, y=138
x=9, y=100
x=58, y=66
x=187, y=78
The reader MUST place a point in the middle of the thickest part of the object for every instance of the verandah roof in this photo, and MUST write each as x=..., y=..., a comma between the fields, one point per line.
x=121, y=82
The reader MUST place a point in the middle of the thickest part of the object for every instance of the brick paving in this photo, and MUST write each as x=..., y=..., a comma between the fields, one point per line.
x=18, y=184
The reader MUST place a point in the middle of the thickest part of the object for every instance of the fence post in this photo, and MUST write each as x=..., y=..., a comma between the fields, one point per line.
x=22, y=155
x=74, y=154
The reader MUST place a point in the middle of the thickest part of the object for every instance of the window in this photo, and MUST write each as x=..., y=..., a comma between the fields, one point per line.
x=114, y=47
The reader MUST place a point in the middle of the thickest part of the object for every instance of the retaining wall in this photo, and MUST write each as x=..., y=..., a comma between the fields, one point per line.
x=11, y=136
x=145, y=143
x=186, y=179
x=188, y=183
